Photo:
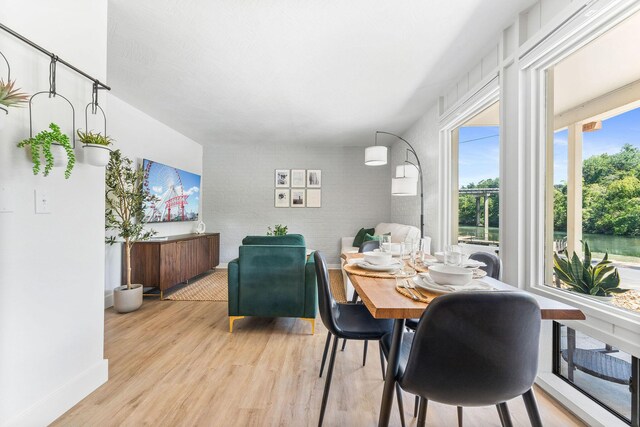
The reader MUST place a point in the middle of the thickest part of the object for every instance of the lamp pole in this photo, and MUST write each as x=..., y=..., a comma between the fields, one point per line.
x=419, y=167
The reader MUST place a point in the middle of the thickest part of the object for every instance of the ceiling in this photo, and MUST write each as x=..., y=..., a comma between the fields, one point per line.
x=597, y=69
x=291, y=72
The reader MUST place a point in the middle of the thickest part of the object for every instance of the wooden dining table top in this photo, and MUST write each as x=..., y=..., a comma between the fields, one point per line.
x=379, y=295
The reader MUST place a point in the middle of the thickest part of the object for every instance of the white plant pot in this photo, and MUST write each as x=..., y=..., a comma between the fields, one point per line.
x=96, y=155
x=606, y=300
x=59, y=156
x=127, y=300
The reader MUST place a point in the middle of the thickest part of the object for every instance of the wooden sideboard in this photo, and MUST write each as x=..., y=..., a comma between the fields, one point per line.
x=166, y=263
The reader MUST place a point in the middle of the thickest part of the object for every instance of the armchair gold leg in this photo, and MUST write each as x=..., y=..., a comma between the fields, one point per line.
x=313, y=324
x=233, y=319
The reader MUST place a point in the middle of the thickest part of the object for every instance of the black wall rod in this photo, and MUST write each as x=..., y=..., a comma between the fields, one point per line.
x=51, y=55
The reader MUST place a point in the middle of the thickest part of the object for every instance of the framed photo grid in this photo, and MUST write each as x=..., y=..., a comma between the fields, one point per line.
x=298, y=188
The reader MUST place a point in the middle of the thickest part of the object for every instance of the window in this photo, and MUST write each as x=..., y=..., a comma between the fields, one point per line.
x=607, y=375
x=477, y=145
x=593, y=184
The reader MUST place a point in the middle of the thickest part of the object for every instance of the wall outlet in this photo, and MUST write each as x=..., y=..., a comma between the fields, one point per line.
x=42, y=202
x=6, y=200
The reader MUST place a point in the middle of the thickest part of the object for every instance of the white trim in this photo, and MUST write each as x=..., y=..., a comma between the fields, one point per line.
x=578, y=403
x=488, y=93
x=52, y=406
x=108, y=299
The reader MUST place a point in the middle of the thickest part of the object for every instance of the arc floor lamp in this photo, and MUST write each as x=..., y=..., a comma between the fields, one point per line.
x=407, y=174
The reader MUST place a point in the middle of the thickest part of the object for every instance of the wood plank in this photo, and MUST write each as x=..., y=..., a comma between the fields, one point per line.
x=174, y=363
x=384, y=302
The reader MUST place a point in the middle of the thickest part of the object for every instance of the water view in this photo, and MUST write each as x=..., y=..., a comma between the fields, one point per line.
x=626, y=246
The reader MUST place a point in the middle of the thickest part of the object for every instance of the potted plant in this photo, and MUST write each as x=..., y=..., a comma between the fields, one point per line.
x=599, y=281
x=10, y=97
x=54, y=146
x=279, y=230
x=124, y=214
x=96, y=146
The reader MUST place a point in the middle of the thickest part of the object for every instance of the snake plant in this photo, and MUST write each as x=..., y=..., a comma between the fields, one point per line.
x=601, y=279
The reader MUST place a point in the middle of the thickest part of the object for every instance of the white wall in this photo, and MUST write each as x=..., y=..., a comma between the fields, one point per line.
x=139, y=137
x=52, y=265
x=239, y=181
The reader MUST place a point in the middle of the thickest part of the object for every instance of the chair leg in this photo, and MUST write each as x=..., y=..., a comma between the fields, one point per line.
x=324, y=355
x=381, y=358
x=364, y=357
x=503, y=411
x=354, y=299
x=532, y=408
x=415, y=406
x=422, y=412
x=327, y=384
x=400, y=404
x=344, y=344
x=459, y=416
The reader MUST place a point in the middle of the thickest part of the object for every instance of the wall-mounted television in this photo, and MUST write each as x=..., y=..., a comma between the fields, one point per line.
x=177, y=193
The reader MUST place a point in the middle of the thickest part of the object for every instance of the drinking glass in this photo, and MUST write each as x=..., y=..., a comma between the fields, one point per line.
x=453, y=255
x=413, y=245
x=385, y=243
x=425, y=248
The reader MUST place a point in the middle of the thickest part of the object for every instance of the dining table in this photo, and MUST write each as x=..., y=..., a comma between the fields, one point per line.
x=383, y=301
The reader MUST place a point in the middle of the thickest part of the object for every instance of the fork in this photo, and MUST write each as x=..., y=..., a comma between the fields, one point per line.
x=405, y=284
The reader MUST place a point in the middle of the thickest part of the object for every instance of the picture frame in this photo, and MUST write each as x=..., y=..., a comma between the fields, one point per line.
x=298, y=178
x=314, y=198
x=298, y=198
x=282, y=198
x=282, y=178
x=314, y=178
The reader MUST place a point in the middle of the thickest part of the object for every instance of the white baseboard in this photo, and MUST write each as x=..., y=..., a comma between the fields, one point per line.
x=48, y=409
x=108, y=299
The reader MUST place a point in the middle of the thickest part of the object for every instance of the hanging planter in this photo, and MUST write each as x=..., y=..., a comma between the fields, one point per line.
x=9, y=96
x=53, y=145
x=95, y=145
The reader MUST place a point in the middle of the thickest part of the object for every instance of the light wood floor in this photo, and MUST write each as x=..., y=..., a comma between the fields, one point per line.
x=174, y=363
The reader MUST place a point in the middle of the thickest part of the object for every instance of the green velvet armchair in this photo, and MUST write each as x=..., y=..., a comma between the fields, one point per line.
x=273, y=278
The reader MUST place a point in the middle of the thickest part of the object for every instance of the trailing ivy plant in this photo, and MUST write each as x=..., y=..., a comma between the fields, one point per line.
x=94, y=138
x=601, y=279
x=125, y=200
x=279, y=230
x=10, y=97
x=41, y=145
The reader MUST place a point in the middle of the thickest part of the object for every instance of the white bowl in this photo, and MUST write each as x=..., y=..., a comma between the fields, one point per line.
x=378, y=258
x=450, y=275
x=439, y=256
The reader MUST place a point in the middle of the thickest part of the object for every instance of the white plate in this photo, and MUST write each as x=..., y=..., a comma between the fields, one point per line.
x=424, y=281
x=469, y=264
x=395, y=265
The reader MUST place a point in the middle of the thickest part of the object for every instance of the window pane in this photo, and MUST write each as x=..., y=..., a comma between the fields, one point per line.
x=478, y=179
x=600, y=370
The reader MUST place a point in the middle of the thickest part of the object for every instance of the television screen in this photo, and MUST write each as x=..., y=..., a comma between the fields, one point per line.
x=177, y=193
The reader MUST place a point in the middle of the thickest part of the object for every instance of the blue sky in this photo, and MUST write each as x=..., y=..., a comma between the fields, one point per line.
x=480, y=159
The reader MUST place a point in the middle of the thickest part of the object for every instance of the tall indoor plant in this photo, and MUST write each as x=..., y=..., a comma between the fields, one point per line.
x=125, y=199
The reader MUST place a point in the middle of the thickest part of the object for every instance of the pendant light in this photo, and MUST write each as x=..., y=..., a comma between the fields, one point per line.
x=375, y=155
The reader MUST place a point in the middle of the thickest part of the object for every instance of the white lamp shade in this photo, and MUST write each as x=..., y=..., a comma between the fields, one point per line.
x=407, y=171
x=375, y=155
x=404, y=186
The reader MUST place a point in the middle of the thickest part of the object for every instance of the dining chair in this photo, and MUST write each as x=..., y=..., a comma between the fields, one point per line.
x=473, y=349
x=367, y=246
x=492, y=262
x=345, y=320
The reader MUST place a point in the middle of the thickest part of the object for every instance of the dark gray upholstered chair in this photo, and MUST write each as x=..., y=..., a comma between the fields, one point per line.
x=492, y=263
x=350, y=321
x=473, y=349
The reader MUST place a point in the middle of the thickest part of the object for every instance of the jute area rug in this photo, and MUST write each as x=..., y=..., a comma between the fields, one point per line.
x=213, y=287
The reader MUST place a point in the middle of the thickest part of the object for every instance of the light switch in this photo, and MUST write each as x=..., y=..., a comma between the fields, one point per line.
x=6, y=200
x=42, y=202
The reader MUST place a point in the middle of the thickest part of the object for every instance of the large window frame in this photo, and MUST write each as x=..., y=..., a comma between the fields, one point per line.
x=616, y=326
